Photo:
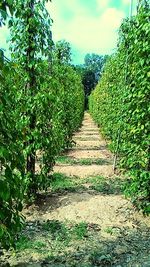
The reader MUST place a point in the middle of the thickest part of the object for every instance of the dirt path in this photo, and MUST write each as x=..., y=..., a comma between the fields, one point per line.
x=84, y=220
x=89, y=145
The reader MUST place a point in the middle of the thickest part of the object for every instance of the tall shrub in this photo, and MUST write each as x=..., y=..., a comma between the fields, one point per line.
x=41, y=106
x=120, y=104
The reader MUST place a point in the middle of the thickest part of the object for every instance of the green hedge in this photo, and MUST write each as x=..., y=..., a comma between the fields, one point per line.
x=120, y=104
x=58, y=106
x=42, y=104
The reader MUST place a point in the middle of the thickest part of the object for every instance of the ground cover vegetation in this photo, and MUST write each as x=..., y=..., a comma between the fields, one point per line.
x=120, y=104
x=42, y=102
x=72, y=161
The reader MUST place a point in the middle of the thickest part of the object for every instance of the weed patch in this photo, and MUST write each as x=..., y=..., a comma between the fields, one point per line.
x=88, y=161
x=107, y=186
x=61, y=182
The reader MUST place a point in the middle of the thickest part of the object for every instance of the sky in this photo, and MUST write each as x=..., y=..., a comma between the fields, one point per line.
x=90, y=26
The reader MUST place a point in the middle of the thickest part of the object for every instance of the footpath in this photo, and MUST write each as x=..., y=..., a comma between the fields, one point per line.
x=84, y=220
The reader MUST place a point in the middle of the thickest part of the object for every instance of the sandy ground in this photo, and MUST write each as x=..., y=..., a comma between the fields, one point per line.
x=92, y=143
x=108, y=211
x=104, y=210
x=85, y=171
x=89, y=154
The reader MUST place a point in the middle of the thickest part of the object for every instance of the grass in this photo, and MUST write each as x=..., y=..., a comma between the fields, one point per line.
x=26, y=242
x=103, y=185
x=70, y=244
x=57, y=244
x=52, y=232
x=54, y=241
x=62, y=231
x=109, y=230
x=73, y=161
x=80, y=230
x=61, y=182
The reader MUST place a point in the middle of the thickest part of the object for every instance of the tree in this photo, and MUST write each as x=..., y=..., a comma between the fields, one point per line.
x=95, y=63
x=63, y=52
x=31, y=40
x=88, y=80
x=91, y=72
x=42, y=103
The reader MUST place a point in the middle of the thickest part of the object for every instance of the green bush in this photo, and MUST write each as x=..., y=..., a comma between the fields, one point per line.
x=42, y=105
x=120, y=104
x=12, y=161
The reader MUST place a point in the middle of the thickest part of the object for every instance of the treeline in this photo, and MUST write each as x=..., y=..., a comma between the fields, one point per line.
x=120, y=104
x=42, y=104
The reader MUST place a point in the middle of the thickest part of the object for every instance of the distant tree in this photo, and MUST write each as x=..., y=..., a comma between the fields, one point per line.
x=91, y=72
x=79, y=69
x=95, y=63
x=88, y=80
x=63, y=52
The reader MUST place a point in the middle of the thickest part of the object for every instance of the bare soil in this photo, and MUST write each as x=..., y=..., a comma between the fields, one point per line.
x=85, y=171
x=92, y=143
x=79, y=154
x=121, y=235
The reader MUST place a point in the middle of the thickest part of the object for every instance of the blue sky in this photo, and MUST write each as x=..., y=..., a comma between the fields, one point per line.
x=91, y=26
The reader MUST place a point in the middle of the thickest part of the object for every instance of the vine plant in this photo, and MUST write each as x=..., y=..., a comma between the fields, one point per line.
x=121, y=102
x=31, y=41
x=42, y=105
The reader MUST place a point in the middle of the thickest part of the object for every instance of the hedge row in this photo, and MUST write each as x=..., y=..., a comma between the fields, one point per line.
x=58, y=107
x=120, y=104
x=42, y=104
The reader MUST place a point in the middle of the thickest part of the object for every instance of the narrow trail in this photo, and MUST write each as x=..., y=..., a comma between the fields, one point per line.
x=84, y=220
x=89, y=145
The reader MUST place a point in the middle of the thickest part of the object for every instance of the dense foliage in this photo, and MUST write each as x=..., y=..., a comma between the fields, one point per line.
x=12, y=183
x=6, y=6
x=120, y=104
x=42, y=103
x=90, y=72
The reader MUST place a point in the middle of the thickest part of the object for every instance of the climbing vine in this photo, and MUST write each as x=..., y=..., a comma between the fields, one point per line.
x=120, y=104
x=42, y=105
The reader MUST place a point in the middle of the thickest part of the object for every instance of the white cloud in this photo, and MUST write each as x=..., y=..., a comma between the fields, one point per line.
x=126, y=2
x=97, y=34
x=84, y=31
x=102, y=4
